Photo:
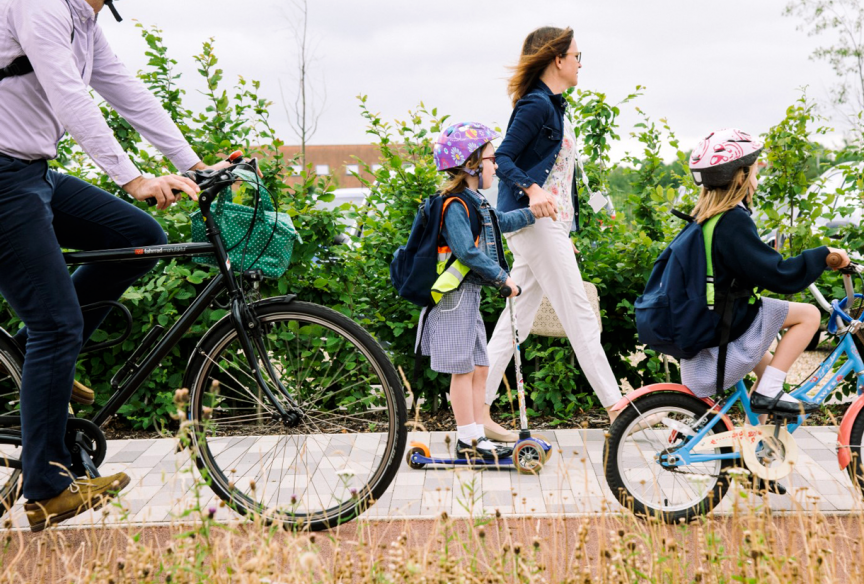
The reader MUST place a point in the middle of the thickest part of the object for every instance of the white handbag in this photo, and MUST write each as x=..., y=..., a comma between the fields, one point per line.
x=547, y=323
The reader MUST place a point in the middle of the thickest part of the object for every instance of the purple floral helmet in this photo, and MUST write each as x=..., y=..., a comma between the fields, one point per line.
x=460, y=141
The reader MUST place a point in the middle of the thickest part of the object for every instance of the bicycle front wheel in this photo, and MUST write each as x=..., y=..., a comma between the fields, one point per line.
x=654, y=426
x=348, y=444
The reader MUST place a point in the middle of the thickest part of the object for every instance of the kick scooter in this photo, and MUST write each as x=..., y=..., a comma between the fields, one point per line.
x=530, y=453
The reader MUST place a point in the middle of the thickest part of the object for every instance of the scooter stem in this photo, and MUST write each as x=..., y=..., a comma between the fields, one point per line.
x=520, y=384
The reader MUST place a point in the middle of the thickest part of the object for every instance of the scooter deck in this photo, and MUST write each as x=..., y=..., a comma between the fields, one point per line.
x=501, y=462
x=420, y=459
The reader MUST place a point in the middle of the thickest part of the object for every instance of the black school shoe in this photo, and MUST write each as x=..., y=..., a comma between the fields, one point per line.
x=762, y=404
x=486, y=449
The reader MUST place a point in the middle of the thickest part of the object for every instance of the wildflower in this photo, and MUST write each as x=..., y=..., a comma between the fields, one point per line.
x=211, y=512
x=308, y=561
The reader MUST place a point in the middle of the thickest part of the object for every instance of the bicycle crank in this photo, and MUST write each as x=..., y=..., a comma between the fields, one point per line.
x=768, y=452
x=87, y=445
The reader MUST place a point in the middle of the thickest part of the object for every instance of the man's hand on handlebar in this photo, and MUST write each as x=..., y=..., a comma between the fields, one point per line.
x=837, y=258
x=160, y=188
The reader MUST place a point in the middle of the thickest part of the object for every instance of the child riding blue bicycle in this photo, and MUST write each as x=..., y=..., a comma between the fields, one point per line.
x=669, y=452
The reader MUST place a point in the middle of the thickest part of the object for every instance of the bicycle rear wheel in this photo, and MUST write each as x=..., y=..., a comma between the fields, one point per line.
x=11, y=365
x=346, y=449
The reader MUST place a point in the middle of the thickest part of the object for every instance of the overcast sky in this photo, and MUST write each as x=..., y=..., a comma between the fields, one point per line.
x=705, y=65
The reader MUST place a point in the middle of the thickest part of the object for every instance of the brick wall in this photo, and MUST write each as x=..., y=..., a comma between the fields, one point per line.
x=336, y=159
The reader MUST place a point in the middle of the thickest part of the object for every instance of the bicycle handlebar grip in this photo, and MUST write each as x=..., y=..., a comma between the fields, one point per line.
x=191, y=175
x=506, y=291
x=834, y=260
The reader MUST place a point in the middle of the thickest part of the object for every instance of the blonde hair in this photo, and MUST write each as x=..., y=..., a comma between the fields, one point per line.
x=715, y=200
x=458, y=180
x=538, y=51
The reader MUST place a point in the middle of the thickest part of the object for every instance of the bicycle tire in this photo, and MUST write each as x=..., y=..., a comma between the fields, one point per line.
x=613, y=466
x=856, y=473
x=210, y=361
x=11, y=367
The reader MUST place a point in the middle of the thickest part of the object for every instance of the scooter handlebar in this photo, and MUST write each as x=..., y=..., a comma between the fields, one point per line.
x=506, y=291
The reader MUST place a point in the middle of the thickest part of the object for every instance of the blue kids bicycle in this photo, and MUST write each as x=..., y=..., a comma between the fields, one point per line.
x=669, y=453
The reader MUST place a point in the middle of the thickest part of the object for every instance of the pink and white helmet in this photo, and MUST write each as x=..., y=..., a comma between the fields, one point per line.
x=716, y=158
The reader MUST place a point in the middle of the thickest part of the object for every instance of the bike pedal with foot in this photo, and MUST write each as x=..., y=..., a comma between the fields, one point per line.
x=80, y=496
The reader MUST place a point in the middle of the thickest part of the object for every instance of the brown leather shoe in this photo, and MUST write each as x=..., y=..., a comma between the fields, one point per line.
x=81, y=394
x=81, y=495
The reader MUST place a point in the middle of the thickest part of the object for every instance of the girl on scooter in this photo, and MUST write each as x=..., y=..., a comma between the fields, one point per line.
x=453, y=335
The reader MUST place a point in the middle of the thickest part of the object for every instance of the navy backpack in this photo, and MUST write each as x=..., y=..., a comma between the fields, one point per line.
x=414, y=268
x=676, y=313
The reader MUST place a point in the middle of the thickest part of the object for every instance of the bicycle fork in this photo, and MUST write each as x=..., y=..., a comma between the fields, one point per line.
x=245, y=320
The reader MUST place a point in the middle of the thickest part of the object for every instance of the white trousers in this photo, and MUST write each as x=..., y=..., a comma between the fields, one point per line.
x=544, y=264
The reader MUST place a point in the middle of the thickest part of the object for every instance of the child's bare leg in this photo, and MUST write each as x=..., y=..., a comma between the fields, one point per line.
x=802, y=322
x=462, y=398
x=479, y=393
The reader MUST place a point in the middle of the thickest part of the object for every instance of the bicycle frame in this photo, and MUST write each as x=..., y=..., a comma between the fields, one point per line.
x=244, y=320
x=684, y=455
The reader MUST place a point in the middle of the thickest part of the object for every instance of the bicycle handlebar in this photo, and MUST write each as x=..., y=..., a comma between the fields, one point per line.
x=506, y=291
x=200, y=176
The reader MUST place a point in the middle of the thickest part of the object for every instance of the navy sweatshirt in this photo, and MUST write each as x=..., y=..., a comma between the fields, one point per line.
x=739, y=254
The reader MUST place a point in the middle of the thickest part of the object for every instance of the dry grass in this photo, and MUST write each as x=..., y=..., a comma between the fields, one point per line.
x=750, y=545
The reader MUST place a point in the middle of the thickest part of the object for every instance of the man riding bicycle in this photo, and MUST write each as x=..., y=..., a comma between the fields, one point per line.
x=51, y=52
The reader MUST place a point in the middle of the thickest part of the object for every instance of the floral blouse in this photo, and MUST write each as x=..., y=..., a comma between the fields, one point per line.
x=560, y=180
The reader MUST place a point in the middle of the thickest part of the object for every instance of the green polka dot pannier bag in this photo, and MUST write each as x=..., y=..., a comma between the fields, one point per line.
x=264, y=246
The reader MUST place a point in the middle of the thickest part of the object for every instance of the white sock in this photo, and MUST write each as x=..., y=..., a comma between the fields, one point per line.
x=479, y=431
x=465, y=433
x=771, y=384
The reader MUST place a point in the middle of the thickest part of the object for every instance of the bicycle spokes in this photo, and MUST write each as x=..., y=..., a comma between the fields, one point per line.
x=326, y=459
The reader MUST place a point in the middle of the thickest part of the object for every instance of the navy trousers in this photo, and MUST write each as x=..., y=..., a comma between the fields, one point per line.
x=40, y=212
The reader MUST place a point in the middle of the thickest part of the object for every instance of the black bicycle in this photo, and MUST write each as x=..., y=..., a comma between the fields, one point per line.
x=298, y=413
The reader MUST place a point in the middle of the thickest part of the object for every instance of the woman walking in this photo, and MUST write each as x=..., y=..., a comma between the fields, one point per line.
x=536, y=168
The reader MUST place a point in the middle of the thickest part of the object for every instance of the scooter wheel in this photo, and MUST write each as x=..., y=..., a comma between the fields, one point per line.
x=409, y=458
x=529, y=457
x=547, y=441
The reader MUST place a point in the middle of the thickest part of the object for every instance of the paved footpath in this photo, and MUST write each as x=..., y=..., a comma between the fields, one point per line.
x=571, y=483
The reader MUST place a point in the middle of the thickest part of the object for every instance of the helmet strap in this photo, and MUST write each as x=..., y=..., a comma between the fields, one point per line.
x=480, y=175
x=110, y=4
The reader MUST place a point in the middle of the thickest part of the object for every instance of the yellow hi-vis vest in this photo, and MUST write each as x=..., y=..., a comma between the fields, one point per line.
x=449, y=280
x=451, y=277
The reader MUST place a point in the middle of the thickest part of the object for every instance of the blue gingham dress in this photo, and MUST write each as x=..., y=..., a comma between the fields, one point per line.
x=454, y=335
x=742, y=355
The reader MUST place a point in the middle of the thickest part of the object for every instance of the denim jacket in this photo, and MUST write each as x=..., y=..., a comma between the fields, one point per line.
x=486, y=259
x=530, y=147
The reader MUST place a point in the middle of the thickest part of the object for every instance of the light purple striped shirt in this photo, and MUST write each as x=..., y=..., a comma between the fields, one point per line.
x=37, y=109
